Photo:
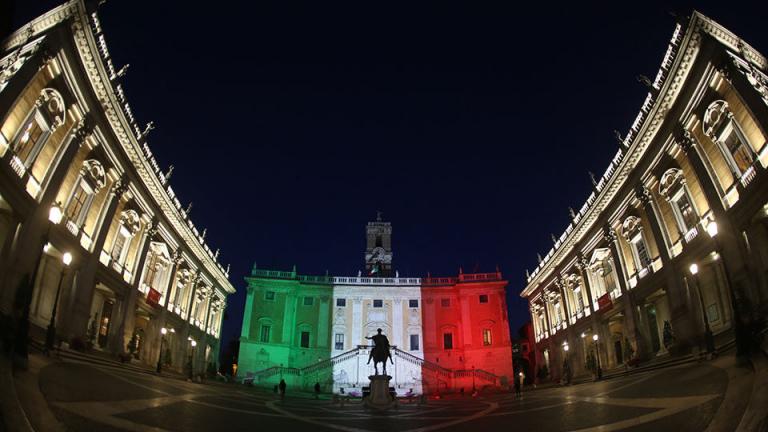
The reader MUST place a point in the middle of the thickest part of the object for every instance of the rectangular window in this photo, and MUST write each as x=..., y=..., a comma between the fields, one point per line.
x=265, y=333
x=447, y=340
x=309, y=301
x=269, y=295
x=29, y=143
x=77, y=203
x=305, y=339
x=413, y=303
x=684, y=211
x=739, y=154
x=341, y=302
x=445, y=302
x=339, y=342
x=486, y=337
x=642, y=257
x=117, y=247
x=414, y=342
x=378, y=303
x=483, y=298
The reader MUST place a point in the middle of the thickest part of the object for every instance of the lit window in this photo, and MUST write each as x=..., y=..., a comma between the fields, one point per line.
x=447, y=340
x=120, y=241
x=483, y=298
x=445, y=302
x=269, y=295
x=486, y=337
x=640, y=249
x=720, y=126
x=414, y=342
x=341, y=302
x=413, y=303
x=685, y=213
x=378, y=303
x=78, y=202
x=265, y=329
x=339, y=342
x=305, y=339
x=309, y=301
x=29, y=143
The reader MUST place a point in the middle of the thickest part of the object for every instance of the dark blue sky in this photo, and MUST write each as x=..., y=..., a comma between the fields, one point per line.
x=471, y=127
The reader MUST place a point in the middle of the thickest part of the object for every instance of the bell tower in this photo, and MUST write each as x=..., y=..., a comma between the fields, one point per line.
x=378, y=248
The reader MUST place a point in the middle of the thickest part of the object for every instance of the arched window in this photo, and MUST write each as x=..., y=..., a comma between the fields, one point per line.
x=47, y=115
x=720, y=126
x=602, y=275
x=92, y=178
x=673, y=187
x=130, y=224
x=632, y=230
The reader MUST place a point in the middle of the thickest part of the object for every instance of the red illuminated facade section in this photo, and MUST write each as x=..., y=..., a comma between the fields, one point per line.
x=466, y=331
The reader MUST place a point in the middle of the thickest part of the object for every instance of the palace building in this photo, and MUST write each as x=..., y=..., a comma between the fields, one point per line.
x=93, y=240
x=447, y=333
x=669, y=254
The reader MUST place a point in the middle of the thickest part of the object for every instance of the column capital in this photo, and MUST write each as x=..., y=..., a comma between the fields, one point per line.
x=609, y=234
x=643, y=194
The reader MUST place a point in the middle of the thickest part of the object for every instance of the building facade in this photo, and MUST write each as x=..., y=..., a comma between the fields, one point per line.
x=78, y=180
x=670, y=246
x=446, y=333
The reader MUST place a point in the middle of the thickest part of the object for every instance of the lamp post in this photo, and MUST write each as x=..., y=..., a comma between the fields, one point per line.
x=741, y=336
x=50, y=334
x=192, y=359
x=163, y=331
x=566, y=365
x=709, y=339
x=597, y=350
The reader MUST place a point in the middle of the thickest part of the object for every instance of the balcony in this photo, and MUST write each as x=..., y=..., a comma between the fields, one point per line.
x=748, y=176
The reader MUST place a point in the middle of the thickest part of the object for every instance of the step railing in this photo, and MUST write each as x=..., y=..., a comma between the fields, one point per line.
x=324, y=364
x=418, y=361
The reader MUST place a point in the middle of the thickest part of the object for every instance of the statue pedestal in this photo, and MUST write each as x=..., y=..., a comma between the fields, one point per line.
x=380, y=397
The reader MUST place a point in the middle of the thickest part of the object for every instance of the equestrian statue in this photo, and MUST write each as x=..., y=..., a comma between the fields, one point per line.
x=380, y=352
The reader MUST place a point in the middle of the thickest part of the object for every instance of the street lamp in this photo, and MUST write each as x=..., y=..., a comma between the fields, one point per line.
x=742, y=339
x=163, y=331
x=709, y=339
x=597, y=349
x=50, y=335
x=566, y=365
x=473, y=379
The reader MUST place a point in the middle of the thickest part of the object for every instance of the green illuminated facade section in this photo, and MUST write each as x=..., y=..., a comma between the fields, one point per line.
x=287, y=322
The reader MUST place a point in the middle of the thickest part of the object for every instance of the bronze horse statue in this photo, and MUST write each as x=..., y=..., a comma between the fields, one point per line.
x=380, y=352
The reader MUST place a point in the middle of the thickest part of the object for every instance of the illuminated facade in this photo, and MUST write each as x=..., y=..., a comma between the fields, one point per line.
x=447, y=332
x=673, y=235
x=77, y=177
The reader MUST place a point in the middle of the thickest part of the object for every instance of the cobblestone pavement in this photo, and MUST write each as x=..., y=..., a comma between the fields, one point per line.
x=101, y=398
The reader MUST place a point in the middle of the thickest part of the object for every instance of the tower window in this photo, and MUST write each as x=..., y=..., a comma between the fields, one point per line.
x=265, y=333
x=305, y=339
x=269, y=296
x=309, y=301
x=483, y=298
x=486, y=337
x=378, y=303
x=447, y=340
x=414, y=303
x=341, y=302
x=414, y=342
x=378, y=240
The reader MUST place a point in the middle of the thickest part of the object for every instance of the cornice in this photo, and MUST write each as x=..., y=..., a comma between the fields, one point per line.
x=91, y=60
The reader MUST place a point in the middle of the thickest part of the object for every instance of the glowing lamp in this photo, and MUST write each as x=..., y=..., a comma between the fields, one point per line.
x=712, y=228
x=55, y=214
x=67, y=258
x=694, y=268
x=194, y=343
x=163, y=331
x=583, y=335
x=594, y=337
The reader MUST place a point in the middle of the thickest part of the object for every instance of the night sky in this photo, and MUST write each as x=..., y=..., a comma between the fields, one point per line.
x=472, y=128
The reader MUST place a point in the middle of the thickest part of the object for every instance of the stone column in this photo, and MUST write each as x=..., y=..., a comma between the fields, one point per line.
x=289, y=321
x=245, y=332
x=33, y=231
x=466, y=321
x=128, y=313
x=82, y=293
x=560, y=284
x=323, y=321
x=357, y=321
x=630, y=309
